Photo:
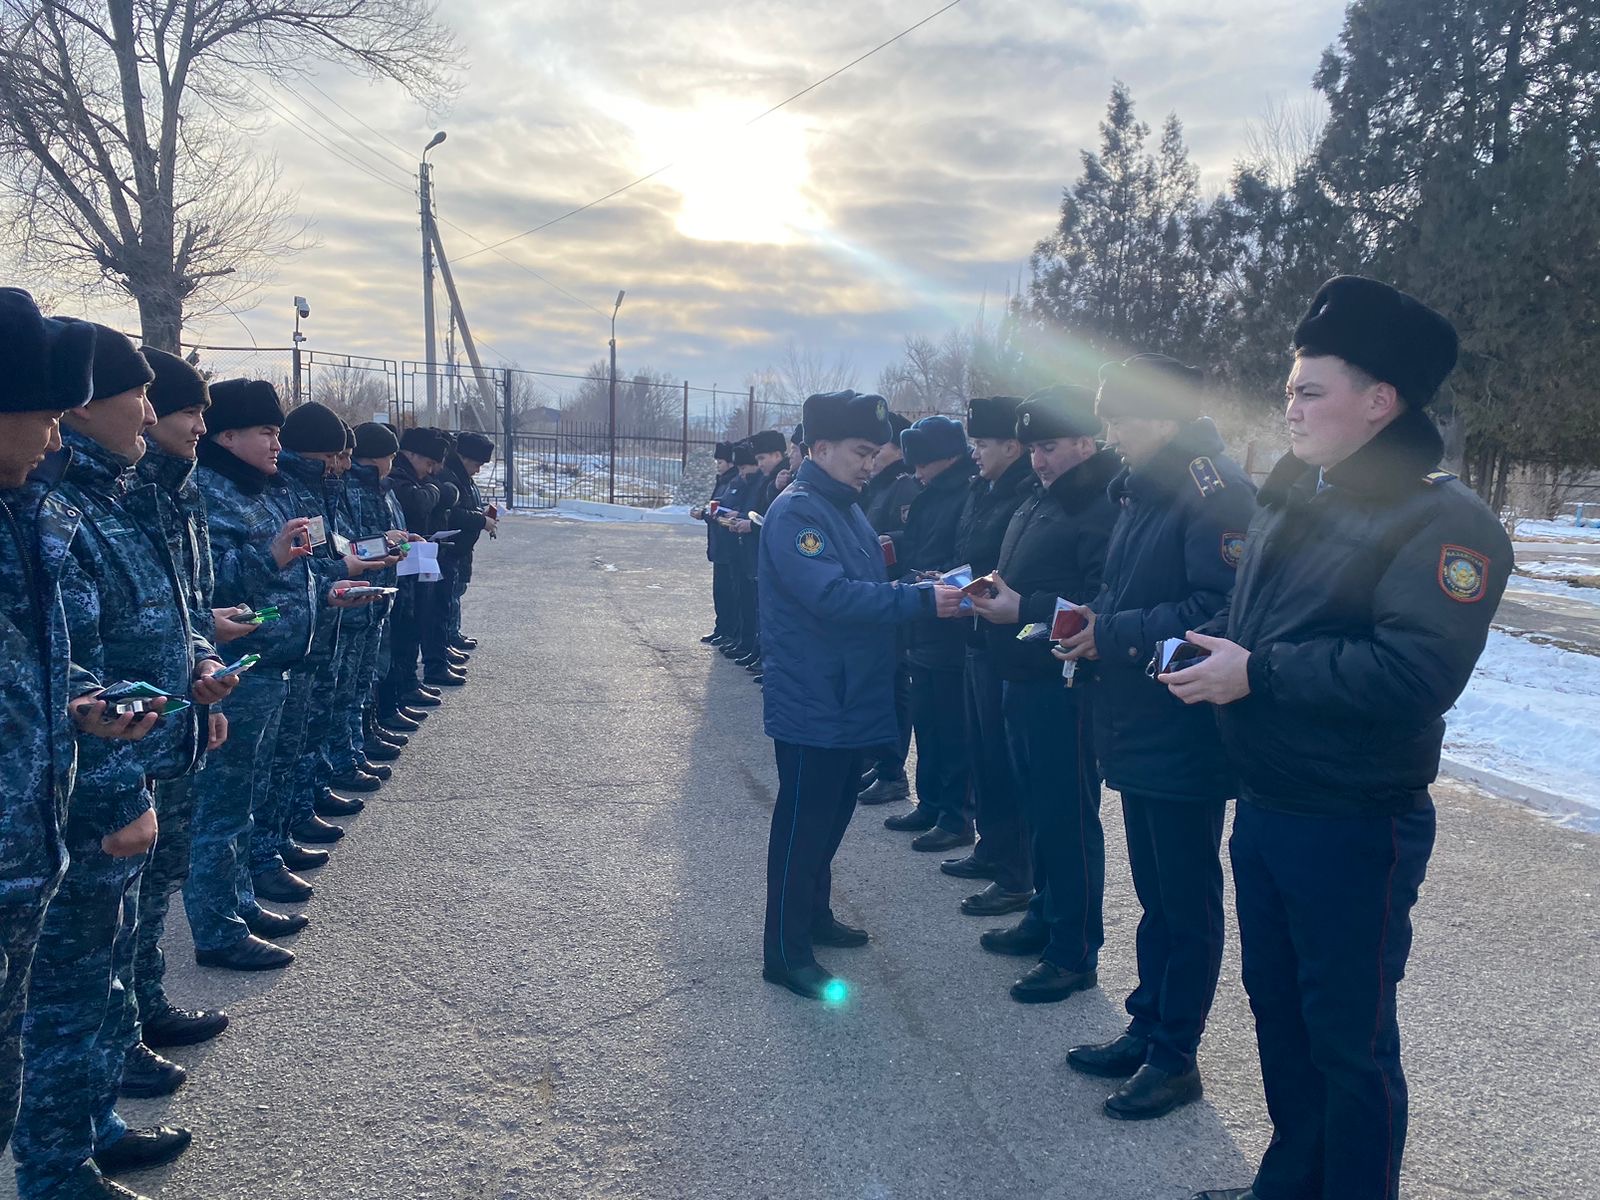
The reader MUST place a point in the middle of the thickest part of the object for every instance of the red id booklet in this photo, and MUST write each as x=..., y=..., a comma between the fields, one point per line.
x=1069, y=621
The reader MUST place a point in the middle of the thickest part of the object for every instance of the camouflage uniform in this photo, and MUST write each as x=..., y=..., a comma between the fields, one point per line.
x=311, y=683
x=119, y=586
x=367, y=515
x=37, y=747
x=181, y=515
x=244, y=511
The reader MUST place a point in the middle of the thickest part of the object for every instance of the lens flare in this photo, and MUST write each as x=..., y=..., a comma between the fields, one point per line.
x=835, y=993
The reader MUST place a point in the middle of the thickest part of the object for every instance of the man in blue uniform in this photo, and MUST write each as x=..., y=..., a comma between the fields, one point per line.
x=1183, y=507
x=740, y=645
x=719, y=548
x=829, y=613
x=1363, y=600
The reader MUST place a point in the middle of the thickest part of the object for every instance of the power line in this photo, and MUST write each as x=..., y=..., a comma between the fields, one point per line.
x=328, y=145
x=759, y=116
x=358, y=120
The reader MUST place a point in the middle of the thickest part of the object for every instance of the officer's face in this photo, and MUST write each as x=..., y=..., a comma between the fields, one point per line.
x=1138, y=439
x=849, y=462
x=722, y=465
x=888, y=454
x=927, y=472
x=117, y=422
x=179, y=433
x=995, y=455
x=768, y=462
x=1332, y=412
x=472, y=465
x=1051, y=460
x=328, y=458
x=25, y=438
x=257, y=446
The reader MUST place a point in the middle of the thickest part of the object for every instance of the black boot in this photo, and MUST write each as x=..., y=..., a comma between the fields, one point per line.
x=141, y=1149
x=268, y=924
x=918, y=820
x=399, y=723
x=1022, y=940
x=381, y=773
x=970, y=867
x=331, y=804
x=885, y=791
x=995, y=901
x=249, y=953
x=282, y=885
x=937, y=840
x=1116, y=1059
x=812, y=981
x=381, y=750
x=316, y=831
x=1048, y=983
x=171, y=1026
x=357, y=781
x=297, y=858
x=146, y=1074
x=835, y=932
x=1153, y=1093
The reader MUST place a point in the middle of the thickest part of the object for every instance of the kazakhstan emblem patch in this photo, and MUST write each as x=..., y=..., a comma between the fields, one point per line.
x=1232, y=548
x=809, y=542
x=1463, y=573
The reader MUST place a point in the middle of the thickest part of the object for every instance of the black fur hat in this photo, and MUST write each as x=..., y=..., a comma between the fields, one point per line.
x=374, y=440
x=47, y=364
x=1391, y=336
x=837, y=416
x=242, y=404
x=177, y=385
x=314, y=428
x=993, y=416
x=1063, y=411
x=769, y=441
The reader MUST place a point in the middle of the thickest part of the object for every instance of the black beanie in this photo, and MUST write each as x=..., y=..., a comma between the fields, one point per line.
x=47, y=365
x=375, y=441
x=118, y=365
x=838, y=416
x=1391, y=336
x=242, y=404
x=743, y=455
x=769, y=441
x=429, y=443
x=1151, y=385
x=1052, y=413
x=177, y=385
x=313, y=428
x=723, y=451
x=474, y=445
x=993, y=417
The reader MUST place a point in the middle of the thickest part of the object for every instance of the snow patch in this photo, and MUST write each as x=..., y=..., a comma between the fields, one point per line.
x=1532, y=715
x=1561, y=529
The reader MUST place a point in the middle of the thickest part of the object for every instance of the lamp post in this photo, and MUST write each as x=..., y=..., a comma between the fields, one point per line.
x=301, y=309
x=425, y=191
x=611, y=428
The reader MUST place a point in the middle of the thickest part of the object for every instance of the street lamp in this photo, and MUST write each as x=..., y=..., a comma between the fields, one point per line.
x=425, y=191
x=611, y=489
x=301, y=309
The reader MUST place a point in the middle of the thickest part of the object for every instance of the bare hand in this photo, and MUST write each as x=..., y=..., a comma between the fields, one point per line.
x=133, y=839
x=217, y=733
x=947, y=600
x=292, y=541
x=782, y=480
x=229, y=630
x=209, y=687
x=1002, y=606
x=696, y=512
x=740, y=526
x=1220, y=679
x=490, y=524
x=1080, y=646
x=89, y=715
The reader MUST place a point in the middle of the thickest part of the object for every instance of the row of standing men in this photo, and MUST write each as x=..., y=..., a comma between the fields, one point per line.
x=1323, y=626
x=155, y=526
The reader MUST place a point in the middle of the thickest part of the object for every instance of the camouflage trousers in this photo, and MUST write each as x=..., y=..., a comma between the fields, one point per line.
x=169, y=867
x=218, y=894
x=79, y=1024
x=358, y=664
x=274, y=812
x=21, y=919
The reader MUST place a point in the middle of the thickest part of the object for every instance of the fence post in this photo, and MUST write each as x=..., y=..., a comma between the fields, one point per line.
x=685, y=424
x=509, y=446
x=750, y=413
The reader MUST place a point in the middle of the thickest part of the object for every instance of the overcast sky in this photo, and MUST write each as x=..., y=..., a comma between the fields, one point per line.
x=888, y=202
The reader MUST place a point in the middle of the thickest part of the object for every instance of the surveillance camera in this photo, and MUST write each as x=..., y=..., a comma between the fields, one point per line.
x=301, y=307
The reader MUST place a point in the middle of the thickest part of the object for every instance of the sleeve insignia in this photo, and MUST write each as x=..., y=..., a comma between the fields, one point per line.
x=1204, y=473
x=810, y=542
x=905, y=513
x=1436, y=477
x=1233, y=547
x=1463, y=573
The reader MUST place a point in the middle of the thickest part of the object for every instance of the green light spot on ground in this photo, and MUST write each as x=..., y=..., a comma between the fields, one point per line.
x=836, y=992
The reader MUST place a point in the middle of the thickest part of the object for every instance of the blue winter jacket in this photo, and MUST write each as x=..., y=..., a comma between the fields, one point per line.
x=828, y=617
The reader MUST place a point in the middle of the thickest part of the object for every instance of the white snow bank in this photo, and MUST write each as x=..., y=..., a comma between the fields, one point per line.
x=1532, y=715
x=1551, y=587
x=595, y=510
x=1562, y=528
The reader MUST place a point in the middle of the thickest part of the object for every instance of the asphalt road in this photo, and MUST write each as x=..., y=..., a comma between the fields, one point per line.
x=534, y=969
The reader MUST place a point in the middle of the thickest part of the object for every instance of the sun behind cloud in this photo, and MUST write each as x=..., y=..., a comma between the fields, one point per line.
x=735, y=182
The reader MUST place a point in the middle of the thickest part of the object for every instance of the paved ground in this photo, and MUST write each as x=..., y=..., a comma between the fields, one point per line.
x=534, y=969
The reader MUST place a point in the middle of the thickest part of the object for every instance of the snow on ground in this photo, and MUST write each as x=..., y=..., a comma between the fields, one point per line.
x=1557, y=568
x=1553, y=587
x=1532, y=714
x=1561, y=529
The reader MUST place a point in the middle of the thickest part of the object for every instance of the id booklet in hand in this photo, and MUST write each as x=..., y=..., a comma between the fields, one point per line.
x=124, y=698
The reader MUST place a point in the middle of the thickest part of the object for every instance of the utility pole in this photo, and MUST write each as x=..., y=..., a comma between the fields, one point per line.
x=425, y=190
x=611, y=424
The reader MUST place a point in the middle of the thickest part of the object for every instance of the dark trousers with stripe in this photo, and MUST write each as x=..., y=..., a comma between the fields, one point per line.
x=816, y=799
x=1174, y=850
x=1047, y=731
x=944, y=766
x=1002, y=829
x=1324, y=933
x=890, y=763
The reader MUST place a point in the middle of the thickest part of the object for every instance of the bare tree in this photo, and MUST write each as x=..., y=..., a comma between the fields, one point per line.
x=1280, y=143
x=122, y=152
x=355, y=394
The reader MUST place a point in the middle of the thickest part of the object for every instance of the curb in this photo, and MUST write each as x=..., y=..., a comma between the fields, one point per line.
x=1570, y=813
x=622, y=512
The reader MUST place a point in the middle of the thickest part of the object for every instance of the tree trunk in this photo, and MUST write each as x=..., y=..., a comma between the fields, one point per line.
x=160, y=313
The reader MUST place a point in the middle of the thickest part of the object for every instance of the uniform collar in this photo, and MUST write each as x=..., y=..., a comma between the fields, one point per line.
x=165, y=470
x=304, y=470
x=1390, y=465
x=953, y=478
x=1078, y=487
x=93, y=466
x=232, y=468
x=830, y=489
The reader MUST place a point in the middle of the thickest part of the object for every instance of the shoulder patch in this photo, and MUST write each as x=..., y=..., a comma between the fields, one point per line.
x=1436, y=477
x=1233, y=547
x=810, y=542
x=1463, y=573
x=1206, y=478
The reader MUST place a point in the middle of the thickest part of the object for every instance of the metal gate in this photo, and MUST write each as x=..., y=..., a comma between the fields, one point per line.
x=533, y=470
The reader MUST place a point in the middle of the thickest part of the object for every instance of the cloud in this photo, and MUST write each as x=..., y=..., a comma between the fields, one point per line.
x=929, y=170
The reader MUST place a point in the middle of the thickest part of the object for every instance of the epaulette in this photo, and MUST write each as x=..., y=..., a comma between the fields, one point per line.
x=1204, y=473
x=1436, y=477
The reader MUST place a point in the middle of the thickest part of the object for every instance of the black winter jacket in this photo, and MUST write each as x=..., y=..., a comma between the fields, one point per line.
x=1054, y=547
x=929, y=544
x=1365, y=604
x=1170, y=567
x=982, y=528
